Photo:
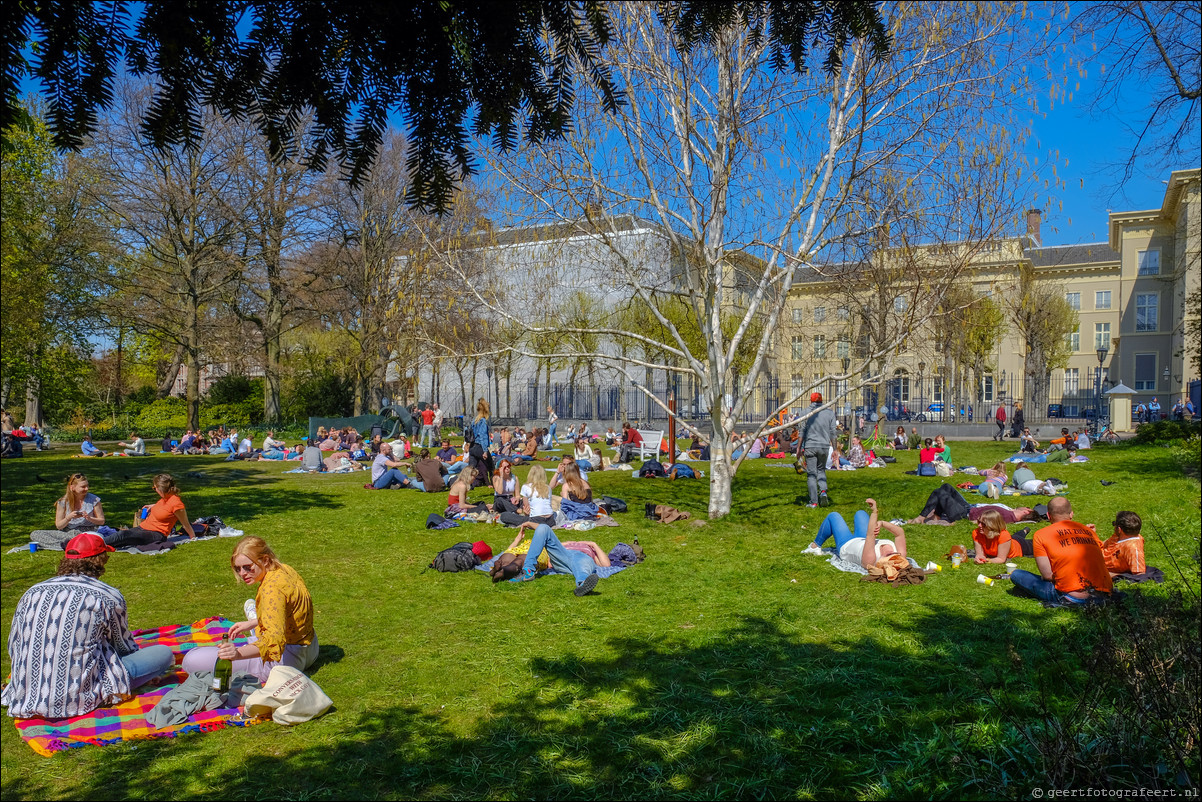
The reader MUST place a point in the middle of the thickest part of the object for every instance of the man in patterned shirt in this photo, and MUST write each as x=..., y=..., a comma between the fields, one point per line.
x=70, y=644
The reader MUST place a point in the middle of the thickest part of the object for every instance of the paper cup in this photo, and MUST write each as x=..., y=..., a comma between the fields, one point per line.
x=33, y=547
x=983, y=580
x=1012, y=566
x=934, y=566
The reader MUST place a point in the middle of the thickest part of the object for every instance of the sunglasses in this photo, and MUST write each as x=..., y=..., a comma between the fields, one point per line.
x=245, y=569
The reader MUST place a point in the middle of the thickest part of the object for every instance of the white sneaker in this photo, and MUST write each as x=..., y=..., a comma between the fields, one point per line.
x=992, y=490
x=813, y=548
x=249, y=609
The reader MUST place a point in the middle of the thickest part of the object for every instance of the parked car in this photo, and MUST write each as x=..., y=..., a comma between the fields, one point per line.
x=934, y=412
x=1055, y=410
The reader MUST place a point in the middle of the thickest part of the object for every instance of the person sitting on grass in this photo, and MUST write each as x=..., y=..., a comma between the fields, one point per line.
x=78, y=509
x=282, y=621
x=535, y=504
x=430, y=472
x=1072, y=568
x=137, y=448
x=583, y=453
x=577, y=563
x=157, y=520
x=992, y=540
x=457, y=495
x=386, y=472
x=898, y=443
x=70, y=644
x=1029, y=444
x=929, y=452
x=864, y=546
x=942, y=452
x=506, y=488
x=1124, y=550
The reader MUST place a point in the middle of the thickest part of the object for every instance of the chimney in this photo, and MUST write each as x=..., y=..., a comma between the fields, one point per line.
x=1034, y=216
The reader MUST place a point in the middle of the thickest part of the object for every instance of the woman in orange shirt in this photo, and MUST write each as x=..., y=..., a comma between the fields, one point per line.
x=156, y=520
x=993, y=541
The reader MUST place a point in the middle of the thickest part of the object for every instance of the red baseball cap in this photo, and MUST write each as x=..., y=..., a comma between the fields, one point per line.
x=815, y=398
x=482, y=550
x=87, y=544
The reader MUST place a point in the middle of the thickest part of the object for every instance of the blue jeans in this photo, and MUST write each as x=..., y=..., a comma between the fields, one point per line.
x=835, y=525
x=454, y=467
x=146, y=664
x=584, y=465
x=389, y=478
x=428, y=435
x=984, y=486
x=1040, y=588
x=577, y=563
x=551, y=433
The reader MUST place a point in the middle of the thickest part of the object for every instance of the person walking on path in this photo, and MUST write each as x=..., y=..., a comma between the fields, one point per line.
x=817, y=438
x=1000, y=420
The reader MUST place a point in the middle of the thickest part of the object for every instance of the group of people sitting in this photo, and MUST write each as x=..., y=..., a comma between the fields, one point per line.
x=1074, y=565
x=1066, y=442
x=72, y=650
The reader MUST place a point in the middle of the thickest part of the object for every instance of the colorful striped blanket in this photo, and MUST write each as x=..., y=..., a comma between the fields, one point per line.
x=127, y=721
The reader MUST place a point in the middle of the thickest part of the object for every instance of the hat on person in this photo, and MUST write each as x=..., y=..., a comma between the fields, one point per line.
x=815, y=398
x=87, y=544
x=482, y=551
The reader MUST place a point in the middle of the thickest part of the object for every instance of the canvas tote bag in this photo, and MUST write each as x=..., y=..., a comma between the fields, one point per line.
x=289, y=696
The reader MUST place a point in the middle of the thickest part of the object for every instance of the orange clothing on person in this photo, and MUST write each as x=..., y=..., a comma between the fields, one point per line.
x=161, y=517
x=1076, y=557
x=988, y=546
x=1124, y=556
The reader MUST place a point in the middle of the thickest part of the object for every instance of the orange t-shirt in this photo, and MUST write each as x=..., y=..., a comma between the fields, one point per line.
x=988, y=546
x=1124, y=556
x=162, y=515
x=1076, y=556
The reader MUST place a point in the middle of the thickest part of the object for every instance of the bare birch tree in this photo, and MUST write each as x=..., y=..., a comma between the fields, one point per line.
x=754, y=177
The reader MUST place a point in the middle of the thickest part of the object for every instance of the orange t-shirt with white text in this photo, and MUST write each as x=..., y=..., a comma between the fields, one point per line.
x=1076, y=557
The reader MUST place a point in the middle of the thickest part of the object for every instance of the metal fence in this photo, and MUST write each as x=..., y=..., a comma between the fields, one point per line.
x=929, y=399
x=625, y=402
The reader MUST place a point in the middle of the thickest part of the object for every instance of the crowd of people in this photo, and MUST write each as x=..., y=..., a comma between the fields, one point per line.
x=72, y=651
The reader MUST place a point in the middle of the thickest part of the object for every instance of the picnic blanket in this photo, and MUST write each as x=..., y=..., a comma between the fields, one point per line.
x=840, y=564
x=166, y=546
x=602, y=571
x=127, y=721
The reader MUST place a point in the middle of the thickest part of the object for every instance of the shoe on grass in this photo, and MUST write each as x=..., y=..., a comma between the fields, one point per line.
x=823, y=500
x=813, y=505
x=525, y=575
x=813, y=548
x=586, y=587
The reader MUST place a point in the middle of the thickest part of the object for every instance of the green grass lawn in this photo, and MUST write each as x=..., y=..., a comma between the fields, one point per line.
x=727, y=665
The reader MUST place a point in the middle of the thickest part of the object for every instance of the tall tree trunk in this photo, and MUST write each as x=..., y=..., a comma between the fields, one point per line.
x=168, y=382
x=33, y=402
x=193, y=392
x=120, y=354
x=272, y=352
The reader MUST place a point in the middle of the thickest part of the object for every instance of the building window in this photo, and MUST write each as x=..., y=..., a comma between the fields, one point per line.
x=1072, y=380
x=843, y=348
x=820, y=346
x=987, y=387
x=1074, y=340
x=1074, y=300
x=1147, y=306
x=1101, y=336
x=797, y=386
x=1149, y=263
x=1101, y=299
x=899, y=304
x=843, y=313
x=819, y=314
x=901, y=388
x=798, y=315
x=1145, y=372
x=799, y=348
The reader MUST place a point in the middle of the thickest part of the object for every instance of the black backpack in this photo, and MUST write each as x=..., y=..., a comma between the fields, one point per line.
x=459, y=557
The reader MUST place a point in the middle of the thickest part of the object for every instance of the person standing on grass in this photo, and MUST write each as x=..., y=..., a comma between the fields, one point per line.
x=817, y=439
x=481, y=431
x=439, y=417
x=1072, y=567
x=551, y=422
x=70, y=644
x=428, y=431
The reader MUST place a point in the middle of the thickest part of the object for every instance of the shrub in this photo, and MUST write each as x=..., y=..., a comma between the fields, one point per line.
x=1189, y=456
x=323, y=395
x=244, y=413
x=231, y=389
x=158, y=417
x=1165, y=432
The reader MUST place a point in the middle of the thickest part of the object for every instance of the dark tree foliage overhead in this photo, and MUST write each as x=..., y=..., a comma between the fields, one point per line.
x=449, y=68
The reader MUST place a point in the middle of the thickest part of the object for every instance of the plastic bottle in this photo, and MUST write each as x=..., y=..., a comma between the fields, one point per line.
x=223, y=670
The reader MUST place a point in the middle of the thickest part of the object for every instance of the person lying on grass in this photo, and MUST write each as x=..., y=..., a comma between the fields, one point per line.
x=864, y=546
x=282, y=617
x=70, y=644
x=945, y=506
x=157, y=520
x=544, y=545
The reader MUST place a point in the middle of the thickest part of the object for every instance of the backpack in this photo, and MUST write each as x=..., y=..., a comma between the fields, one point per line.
x=613, y=504
x=459, y=557
x=926, y=469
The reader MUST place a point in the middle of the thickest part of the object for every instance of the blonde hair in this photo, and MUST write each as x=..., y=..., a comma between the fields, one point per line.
x=536, y=480
x=991, y=523
x=571, y=477
x=1000, y=465
x=482, y=409
x=257, y=551
x=69, y=496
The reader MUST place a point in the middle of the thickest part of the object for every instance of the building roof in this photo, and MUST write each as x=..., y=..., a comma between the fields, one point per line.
x=1062, y=255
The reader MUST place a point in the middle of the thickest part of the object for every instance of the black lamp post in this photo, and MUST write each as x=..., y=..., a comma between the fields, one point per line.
x=922, y=390
x=1102, y=351
x=846, y=362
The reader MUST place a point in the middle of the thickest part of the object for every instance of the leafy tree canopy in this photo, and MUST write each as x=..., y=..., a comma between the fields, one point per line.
x=445, y=66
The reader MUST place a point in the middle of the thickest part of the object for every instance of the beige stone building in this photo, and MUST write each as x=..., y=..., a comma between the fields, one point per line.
x=1129, y=292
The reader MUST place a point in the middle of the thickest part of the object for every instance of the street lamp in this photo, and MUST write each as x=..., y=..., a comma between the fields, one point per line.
x=846, y=362
x=1102, y=351
x=922, y=393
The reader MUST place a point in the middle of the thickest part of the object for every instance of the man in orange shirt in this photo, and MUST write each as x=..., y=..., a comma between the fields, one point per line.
x=1072, y=569
x=1124, y=550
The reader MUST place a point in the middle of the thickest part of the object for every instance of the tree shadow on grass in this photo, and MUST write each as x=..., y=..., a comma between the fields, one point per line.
x=753, y=711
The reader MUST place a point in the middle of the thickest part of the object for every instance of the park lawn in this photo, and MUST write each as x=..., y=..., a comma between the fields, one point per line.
x=726, y=665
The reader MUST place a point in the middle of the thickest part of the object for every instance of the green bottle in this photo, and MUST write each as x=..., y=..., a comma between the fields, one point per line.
x=223, y=670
